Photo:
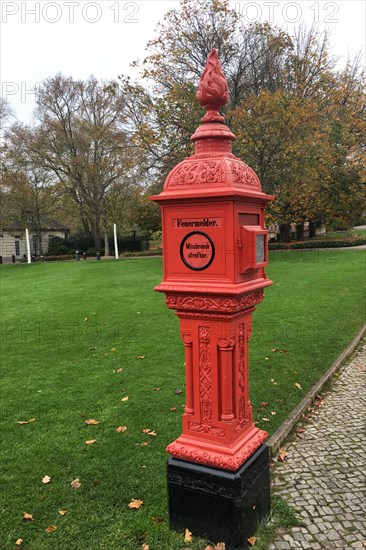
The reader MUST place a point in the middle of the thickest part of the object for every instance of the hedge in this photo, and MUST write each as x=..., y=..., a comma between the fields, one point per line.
x=312, y=243
x=143, y=253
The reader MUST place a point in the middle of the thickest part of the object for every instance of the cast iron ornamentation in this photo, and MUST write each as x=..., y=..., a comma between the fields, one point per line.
x=229, y=304
x=198, y=173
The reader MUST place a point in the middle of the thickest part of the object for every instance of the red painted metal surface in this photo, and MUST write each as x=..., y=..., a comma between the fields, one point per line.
x=215, y=251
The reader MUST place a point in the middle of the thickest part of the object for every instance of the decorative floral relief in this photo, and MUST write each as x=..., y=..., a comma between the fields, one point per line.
x=218, y=460
x=187, y=339
x=226, y=342
x=190, y=172
x=206, y=427
x=242, y=173
x=241, y=369
x=226, y=304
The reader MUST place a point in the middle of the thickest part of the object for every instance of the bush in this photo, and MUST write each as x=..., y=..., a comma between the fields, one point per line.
x=312, y=243
x=57, y=247
x=157, y=236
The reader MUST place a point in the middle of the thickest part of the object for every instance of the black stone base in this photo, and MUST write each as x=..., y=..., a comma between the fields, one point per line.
x=219, y=505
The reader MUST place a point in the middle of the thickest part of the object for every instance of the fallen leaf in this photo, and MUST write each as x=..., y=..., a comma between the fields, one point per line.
x=28, y=517
x=92, y=348
x=187, y=536
x=18, y=542
x=135, y=504
x=149, y=432
x=172, y=409
x=27, y=421
x=297, y=385
x=62, y=512
x=75, y=484
x=318, y=402
x=273, y=382
x=119, y=370
x=51, y=529
x=300, y=436
x=178, y=391
x=300, y=430
x=124, y=399
x=145, y=547
x=114, y=349
x=140, y=356
x=90, y=442
x=274, y=349
x=121, y=429
x=282, y=454
x=273, y=413
x=158, y=520
x=96, y=482
x=91, y=422
x=46, y=479
x=252, y=541
x=265, y=419
x=283, y=351
x=220, y=546
x=85, y=319
x=156, y=389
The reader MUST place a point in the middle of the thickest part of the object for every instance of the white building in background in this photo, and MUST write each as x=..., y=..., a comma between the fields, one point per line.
x=13, y=243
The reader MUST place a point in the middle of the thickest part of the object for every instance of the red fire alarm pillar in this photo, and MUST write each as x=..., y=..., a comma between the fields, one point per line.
x=215, y=253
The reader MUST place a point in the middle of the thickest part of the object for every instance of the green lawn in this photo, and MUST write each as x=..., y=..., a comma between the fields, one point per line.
x=67, y=328
x=345, y=233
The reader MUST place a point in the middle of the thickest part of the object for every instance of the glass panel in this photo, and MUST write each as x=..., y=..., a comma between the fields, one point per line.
x=259, y=241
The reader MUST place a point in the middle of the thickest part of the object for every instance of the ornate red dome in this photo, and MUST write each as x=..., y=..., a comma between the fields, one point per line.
x=213, y=168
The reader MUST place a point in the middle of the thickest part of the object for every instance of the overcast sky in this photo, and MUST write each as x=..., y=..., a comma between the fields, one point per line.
x=82, y=37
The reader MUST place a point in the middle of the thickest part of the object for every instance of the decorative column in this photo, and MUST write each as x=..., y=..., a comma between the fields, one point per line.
x=213, y=221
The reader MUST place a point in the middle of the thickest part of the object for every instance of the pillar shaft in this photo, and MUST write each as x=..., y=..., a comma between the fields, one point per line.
x=217, y=424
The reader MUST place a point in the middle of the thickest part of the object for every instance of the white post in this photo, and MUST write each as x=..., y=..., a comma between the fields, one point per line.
x=28, y=246
x=115, y=241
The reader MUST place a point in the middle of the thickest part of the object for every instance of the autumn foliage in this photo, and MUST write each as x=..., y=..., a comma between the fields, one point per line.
x=99, y=149
x=298, y=117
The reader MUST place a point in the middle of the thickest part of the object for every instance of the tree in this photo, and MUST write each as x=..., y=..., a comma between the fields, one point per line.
x=286, y=96
x=81, y=140
x=6, y=113
x=30, y=196
x=164, y=113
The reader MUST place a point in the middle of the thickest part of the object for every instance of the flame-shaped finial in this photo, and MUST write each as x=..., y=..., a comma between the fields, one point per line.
x=213, y=91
